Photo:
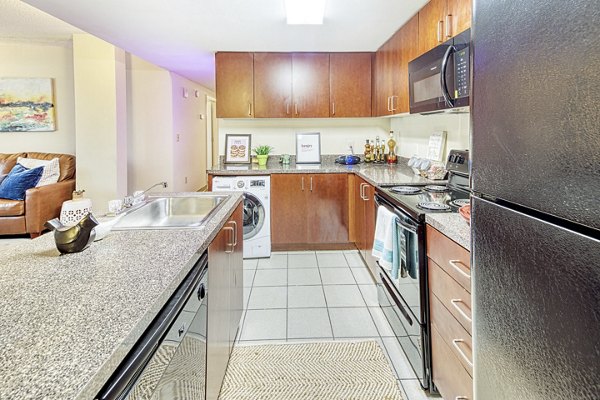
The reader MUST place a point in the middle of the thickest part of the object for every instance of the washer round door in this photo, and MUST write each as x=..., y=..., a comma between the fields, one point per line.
x=254, y=216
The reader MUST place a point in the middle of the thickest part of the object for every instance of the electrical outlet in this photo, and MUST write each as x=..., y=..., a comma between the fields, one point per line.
x=177, y=138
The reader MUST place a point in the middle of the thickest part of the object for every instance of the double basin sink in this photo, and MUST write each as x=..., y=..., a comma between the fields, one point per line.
x=187, y=211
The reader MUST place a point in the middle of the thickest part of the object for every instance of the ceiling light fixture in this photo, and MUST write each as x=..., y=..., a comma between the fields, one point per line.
x=305, y=12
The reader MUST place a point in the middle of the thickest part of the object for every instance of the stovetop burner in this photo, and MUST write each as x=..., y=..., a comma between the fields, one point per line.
x=436, y=188
x=405, y=189
x=433, y=206
x=459, y=202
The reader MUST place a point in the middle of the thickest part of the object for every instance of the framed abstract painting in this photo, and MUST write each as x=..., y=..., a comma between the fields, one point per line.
x=27, y=105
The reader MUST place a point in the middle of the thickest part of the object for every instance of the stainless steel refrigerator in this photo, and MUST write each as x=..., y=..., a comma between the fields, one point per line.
x=536, y=206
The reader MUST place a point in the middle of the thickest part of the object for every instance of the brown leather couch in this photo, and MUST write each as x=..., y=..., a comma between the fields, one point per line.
x=41, y=203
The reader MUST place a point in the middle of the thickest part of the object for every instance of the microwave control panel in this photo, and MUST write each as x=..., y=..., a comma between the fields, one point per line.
x=461, y=73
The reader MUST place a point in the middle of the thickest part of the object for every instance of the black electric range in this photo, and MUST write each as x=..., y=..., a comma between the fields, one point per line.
x=416, y=201
x=403, y=292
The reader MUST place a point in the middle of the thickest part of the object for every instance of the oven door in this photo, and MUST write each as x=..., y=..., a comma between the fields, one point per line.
x=409, y=282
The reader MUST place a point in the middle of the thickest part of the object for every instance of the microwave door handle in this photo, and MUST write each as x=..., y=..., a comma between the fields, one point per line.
x=443, y=82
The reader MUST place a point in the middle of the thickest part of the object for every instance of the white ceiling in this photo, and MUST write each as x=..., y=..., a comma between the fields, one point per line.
x=182, y=35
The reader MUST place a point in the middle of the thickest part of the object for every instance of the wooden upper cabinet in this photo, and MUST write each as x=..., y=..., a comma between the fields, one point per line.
x=235, y=85
x=310, y=87
x=409, y=50
x=273, y=85
x=350, y=84
x=458, y=17
x=380, y=86
x=440, y=20
x=431, y=25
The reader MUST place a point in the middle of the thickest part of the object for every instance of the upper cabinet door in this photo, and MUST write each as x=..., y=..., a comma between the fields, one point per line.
x=235, y=85
x=380, y=83
x=310, y=86
x=350, y=85
x=431, y=25
x=458, y=17
x=273, y=85
x=409, y=50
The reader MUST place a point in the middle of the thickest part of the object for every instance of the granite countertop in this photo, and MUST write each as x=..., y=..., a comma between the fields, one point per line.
x=376, y=174
x=67, y=321
x=452, y=225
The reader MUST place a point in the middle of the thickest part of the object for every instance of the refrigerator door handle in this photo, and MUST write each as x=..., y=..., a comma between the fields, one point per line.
x=443, y=82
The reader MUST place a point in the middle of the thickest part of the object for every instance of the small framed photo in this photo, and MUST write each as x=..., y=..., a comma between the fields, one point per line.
x=308, y=148
x=237, y=149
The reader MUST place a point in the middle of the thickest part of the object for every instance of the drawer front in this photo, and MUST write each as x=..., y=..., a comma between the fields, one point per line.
x=452, y=295
x=449, y=376
x=455, y=336
x=453, y=258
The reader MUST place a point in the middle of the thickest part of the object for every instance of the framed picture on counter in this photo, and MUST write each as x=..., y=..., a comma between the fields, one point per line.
x=237, y=149
x=308, y=148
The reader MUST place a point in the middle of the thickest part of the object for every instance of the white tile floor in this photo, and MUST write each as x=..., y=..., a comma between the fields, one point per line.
x=317, y=296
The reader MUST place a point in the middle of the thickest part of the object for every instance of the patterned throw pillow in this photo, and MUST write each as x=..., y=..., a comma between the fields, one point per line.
x=51, y=169
x=18, y=180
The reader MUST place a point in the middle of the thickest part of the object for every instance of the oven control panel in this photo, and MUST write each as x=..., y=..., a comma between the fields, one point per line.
x=458, y=161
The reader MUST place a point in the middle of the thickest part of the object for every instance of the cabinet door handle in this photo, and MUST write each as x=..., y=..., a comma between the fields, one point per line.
x=389, y=107
x=449, y=25
x=311, y=185
x=363, y=196
x=303, y=184
x=455, y=343
x=440, y=27
x=229, y=243
x=333, y=108
x=249, y=109
x=235, y=233
x=454, y=264
x=455, y=303
x=296, y=108
x=393, y=106
x=287, y=108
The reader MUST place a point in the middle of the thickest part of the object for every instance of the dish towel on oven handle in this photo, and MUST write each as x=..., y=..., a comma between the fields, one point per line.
x=385, y=243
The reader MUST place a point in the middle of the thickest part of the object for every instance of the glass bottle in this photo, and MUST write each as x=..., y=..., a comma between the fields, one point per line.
x=392, y=158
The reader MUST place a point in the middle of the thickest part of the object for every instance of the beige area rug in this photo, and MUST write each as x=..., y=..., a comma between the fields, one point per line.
x=310, y=371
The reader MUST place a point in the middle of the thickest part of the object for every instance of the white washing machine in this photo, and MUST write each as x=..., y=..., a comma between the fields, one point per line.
x=257, y=210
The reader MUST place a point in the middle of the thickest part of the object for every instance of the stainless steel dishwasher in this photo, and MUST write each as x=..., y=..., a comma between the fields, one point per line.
x=169, y=360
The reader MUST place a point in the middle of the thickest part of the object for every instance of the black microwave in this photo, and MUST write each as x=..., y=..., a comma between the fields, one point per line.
x=441, y=78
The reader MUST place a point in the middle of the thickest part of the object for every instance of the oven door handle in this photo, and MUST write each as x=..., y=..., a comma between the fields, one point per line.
x=405, y=226
x=443, y=82
x=399, y=221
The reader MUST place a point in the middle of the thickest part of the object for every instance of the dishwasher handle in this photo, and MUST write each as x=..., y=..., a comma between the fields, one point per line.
x=126, y=374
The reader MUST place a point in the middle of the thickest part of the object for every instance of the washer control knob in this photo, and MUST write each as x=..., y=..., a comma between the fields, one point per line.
x=240, y=184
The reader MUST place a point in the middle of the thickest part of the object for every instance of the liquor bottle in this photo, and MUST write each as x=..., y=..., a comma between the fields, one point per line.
x=391, y=157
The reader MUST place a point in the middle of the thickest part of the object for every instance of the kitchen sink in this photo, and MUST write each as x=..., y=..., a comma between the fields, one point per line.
x=189, y=211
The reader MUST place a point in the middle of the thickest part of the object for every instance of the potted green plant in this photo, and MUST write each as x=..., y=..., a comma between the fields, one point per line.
x=262, y=153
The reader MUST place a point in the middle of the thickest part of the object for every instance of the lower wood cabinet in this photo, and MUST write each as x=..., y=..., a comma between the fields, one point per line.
x=225, y=299
x=309, y=211
x=363, y=224
x=450, y=314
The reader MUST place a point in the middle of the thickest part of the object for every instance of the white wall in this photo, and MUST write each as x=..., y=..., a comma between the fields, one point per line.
x=189, y=122
x=101, y=119
x=150, y=124
x=38, y=60
x=336, y=134
x=413, y=131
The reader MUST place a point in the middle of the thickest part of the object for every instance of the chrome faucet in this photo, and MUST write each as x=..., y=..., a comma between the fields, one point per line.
x=138, y=197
